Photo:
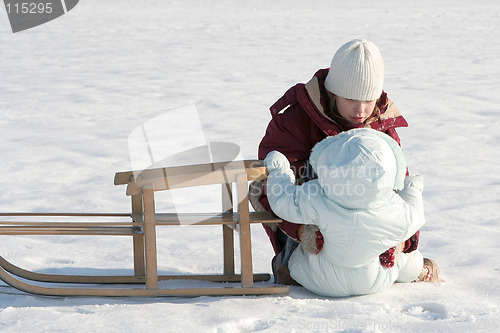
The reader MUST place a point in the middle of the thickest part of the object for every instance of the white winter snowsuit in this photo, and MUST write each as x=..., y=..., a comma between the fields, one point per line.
x=356, y=207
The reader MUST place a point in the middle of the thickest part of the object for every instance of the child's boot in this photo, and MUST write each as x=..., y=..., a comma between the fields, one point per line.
x=430, y=272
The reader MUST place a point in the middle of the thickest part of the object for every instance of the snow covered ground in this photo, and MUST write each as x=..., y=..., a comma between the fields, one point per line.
x=72, y=90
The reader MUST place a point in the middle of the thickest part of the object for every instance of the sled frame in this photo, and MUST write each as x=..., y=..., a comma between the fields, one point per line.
x=141, y=225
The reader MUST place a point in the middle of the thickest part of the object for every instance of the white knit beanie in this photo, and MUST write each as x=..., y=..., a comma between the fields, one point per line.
x=357, y=71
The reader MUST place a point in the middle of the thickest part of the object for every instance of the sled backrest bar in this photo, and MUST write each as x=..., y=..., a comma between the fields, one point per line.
x=160, y=179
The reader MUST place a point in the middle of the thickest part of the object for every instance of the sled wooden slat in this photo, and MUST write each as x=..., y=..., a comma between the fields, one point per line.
x=188, y=176
x=68, y=214
x=137, y=292
x=67, y=228
x=68, y=224
x=116, y=279
x=255, y=169
x=92, y=232
x=207, y=219
x=141, y=224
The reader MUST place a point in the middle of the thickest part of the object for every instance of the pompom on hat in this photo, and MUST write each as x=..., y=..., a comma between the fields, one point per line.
x=357, y=71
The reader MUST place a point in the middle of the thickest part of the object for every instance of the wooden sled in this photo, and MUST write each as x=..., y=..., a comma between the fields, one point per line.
x=141, y=224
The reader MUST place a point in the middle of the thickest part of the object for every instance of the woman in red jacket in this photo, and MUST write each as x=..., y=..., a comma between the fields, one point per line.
x=347, y=95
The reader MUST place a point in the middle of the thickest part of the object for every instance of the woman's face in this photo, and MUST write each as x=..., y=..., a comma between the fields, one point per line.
x=355, y=111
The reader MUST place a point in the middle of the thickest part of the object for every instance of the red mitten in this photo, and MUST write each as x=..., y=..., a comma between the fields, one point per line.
x=412, y=243
x=387, y=258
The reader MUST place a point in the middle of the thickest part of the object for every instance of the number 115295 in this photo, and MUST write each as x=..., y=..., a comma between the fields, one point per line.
x=29, y=8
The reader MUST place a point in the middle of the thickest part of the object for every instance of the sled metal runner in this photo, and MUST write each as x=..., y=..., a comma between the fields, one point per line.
x=141, y=225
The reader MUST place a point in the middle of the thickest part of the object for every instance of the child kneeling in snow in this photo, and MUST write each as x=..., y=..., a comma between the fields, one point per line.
x=358, y=211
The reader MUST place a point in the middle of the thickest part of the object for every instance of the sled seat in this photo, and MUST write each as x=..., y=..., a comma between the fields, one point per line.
x=141, y=225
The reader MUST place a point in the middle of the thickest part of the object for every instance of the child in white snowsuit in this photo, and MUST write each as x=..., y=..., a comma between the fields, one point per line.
x=357, y=209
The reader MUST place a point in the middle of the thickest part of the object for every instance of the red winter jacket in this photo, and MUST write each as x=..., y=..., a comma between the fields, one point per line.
x=299, y=121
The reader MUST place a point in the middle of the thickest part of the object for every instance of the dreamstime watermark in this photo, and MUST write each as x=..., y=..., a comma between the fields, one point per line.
x=26, y=14
x=171, y=152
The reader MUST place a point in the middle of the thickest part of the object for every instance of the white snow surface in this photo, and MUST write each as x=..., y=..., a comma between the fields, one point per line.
x=72, y=90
